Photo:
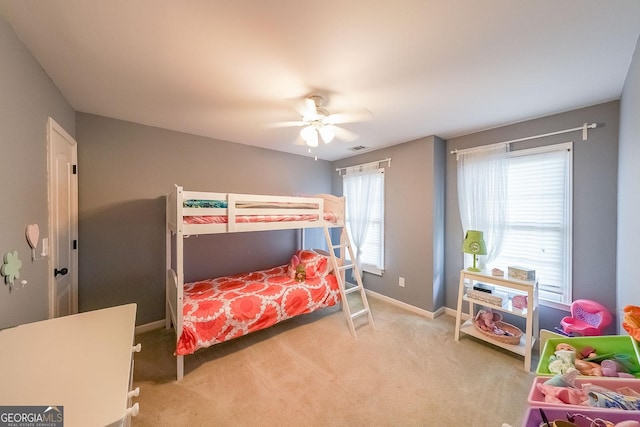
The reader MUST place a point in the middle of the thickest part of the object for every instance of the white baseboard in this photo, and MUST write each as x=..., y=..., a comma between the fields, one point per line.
x=149, y=327
x=405, y=306
x=452, y=312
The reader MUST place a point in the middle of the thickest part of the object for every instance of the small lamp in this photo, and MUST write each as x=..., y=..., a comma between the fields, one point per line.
x=474, y=245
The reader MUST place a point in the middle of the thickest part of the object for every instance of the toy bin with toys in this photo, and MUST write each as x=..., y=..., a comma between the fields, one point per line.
x=584, y=392
x=594, y=356
x=580, y=418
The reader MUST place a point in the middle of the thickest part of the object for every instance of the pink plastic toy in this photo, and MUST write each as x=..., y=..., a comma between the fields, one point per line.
x=588, y=318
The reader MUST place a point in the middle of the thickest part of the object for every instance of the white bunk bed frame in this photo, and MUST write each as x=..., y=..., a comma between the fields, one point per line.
x=175, y=226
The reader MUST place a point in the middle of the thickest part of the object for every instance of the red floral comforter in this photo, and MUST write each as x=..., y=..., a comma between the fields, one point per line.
x=217, y=310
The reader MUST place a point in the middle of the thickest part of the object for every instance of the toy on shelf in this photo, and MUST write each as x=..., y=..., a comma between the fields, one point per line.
x=490, y=324
x=487, y=321
x=497, y=272
x=588, y=318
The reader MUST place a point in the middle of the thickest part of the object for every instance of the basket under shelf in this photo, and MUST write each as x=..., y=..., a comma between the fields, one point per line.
x=513, y=336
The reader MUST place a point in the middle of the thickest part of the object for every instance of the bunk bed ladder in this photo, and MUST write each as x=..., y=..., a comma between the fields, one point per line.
x=341, y=264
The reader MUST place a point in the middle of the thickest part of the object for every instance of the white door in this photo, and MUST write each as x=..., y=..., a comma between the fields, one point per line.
x=63, y=221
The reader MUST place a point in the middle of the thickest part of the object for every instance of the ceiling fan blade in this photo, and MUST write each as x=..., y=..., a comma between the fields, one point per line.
x=286, y=124
x=356, y=116
x=345, y=135
x=298, y=104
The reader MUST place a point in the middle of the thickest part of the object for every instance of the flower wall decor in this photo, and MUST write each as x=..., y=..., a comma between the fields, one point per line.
x=11, y=267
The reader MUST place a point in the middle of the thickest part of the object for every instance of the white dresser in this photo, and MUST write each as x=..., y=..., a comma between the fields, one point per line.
x=82, y=362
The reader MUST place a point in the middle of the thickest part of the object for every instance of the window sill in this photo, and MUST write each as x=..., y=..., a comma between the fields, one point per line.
x=372, y=270
x=556, y=305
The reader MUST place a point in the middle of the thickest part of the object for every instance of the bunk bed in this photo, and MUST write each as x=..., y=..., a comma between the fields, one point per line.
x=211, y=311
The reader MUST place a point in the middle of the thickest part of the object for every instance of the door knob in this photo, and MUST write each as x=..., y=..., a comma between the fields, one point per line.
x=62, y=271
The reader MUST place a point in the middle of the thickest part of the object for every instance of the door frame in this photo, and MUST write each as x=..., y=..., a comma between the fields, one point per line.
x=53, y=126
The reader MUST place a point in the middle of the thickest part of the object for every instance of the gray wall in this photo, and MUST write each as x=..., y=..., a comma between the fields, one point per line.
x=27, y=98
x=594, y=200
x=414, y=220
x=125, y=169
x=628, y=194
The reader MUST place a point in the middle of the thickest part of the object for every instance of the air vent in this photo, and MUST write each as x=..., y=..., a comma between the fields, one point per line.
x=357, y=148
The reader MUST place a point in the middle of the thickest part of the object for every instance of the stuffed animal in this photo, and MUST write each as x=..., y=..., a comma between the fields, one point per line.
x=293, y=266
x=301, y=273
x=486, y=320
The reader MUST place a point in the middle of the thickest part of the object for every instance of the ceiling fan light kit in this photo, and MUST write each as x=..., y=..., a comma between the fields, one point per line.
x=319, y=124
x=327, y=133
x=310, y=136
x=316, y=120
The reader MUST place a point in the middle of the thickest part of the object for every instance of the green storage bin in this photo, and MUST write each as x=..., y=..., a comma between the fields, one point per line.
x=607, y=345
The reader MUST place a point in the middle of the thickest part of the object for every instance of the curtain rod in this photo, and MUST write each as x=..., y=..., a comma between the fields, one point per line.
x=376, y=163
x=584, y=128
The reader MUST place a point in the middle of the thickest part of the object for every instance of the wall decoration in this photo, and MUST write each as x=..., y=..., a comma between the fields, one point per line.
x=11, y=267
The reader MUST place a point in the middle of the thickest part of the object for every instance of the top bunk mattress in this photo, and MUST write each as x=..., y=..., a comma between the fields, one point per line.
x=218, y=211
x=245, y=219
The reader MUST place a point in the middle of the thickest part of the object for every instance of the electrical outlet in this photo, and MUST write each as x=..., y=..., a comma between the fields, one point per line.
x=401, y=282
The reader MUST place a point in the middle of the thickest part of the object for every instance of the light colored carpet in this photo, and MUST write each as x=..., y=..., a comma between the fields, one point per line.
x=309, y=371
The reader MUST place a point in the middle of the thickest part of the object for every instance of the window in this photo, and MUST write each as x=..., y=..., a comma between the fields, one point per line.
x=364, y=192
x=538, y=221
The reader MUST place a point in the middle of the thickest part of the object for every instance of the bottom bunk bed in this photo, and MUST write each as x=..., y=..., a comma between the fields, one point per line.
x=212, y=311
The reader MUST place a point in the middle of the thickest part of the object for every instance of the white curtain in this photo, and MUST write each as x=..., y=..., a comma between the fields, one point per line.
x=357, y=184
x=482, y=194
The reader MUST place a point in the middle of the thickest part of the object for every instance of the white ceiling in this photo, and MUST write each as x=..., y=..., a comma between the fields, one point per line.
x=227, y=69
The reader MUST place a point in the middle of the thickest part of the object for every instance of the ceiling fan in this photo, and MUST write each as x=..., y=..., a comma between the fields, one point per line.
x=318, y=124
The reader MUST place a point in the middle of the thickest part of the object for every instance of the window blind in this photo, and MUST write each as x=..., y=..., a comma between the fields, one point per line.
x=539, y=206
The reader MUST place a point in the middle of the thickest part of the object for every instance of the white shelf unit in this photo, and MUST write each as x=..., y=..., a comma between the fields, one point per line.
x=507, y=286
